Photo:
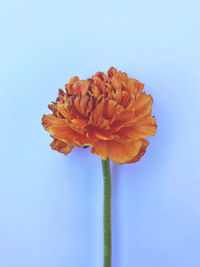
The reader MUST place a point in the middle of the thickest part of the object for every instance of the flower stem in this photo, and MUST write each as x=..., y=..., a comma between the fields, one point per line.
x=107, y=213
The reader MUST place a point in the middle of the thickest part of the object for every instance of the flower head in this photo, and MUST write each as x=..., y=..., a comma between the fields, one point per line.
x=109, y=112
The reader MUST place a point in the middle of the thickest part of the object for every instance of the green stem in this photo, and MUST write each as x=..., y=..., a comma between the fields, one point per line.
x=107, y=213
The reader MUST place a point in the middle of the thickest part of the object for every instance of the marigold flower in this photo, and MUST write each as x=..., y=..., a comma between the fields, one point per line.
x=109, y=112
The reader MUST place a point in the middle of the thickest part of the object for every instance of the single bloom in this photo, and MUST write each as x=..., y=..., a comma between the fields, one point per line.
x=109, y=112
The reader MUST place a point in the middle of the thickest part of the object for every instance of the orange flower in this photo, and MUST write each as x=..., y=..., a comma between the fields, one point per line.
x=109, y=112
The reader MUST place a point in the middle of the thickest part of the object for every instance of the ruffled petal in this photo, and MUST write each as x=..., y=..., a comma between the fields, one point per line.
x=96, y=133
x=48, y=120
x=143, y=105
x=100, y=148
x=61, y=146
x=60, y=130
x=117, y=151
x=140, y=129
x=134, y=86
x=142, y=151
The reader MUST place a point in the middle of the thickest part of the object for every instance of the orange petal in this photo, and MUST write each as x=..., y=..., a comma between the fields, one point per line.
x=112, y=71
x=100, y=122
x=143, y=105
x=141, y=152
x=62, y=108
x=131, y=85
x=80, y=122
x=89, y=107
x=121, y=120
x=126, y=117
x=139, y=86
x=140, y=129
x=125, y=99
x=95, y=91
x=134, y=86
x=116, y=83
x=117, y=95
x=129, y=107
x=84, y=86
x=109, y=108
x=80, y=88
x=61, y=146
x=48, y=120
x=60, y=130
x=66, y=134
x=100, y=148
x=99, y=108
x=96, y=133
x=99, y=83
x=83, y=104
x=69, y=86
x=117, y=151
x=76, y=103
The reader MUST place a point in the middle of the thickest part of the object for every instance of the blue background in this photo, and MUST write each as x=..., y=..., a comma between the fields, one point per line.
x=50, y=204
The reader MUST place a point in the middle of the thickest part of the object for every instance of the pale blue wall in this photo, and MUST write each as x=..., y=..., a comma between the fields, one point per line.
x=51, y=205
